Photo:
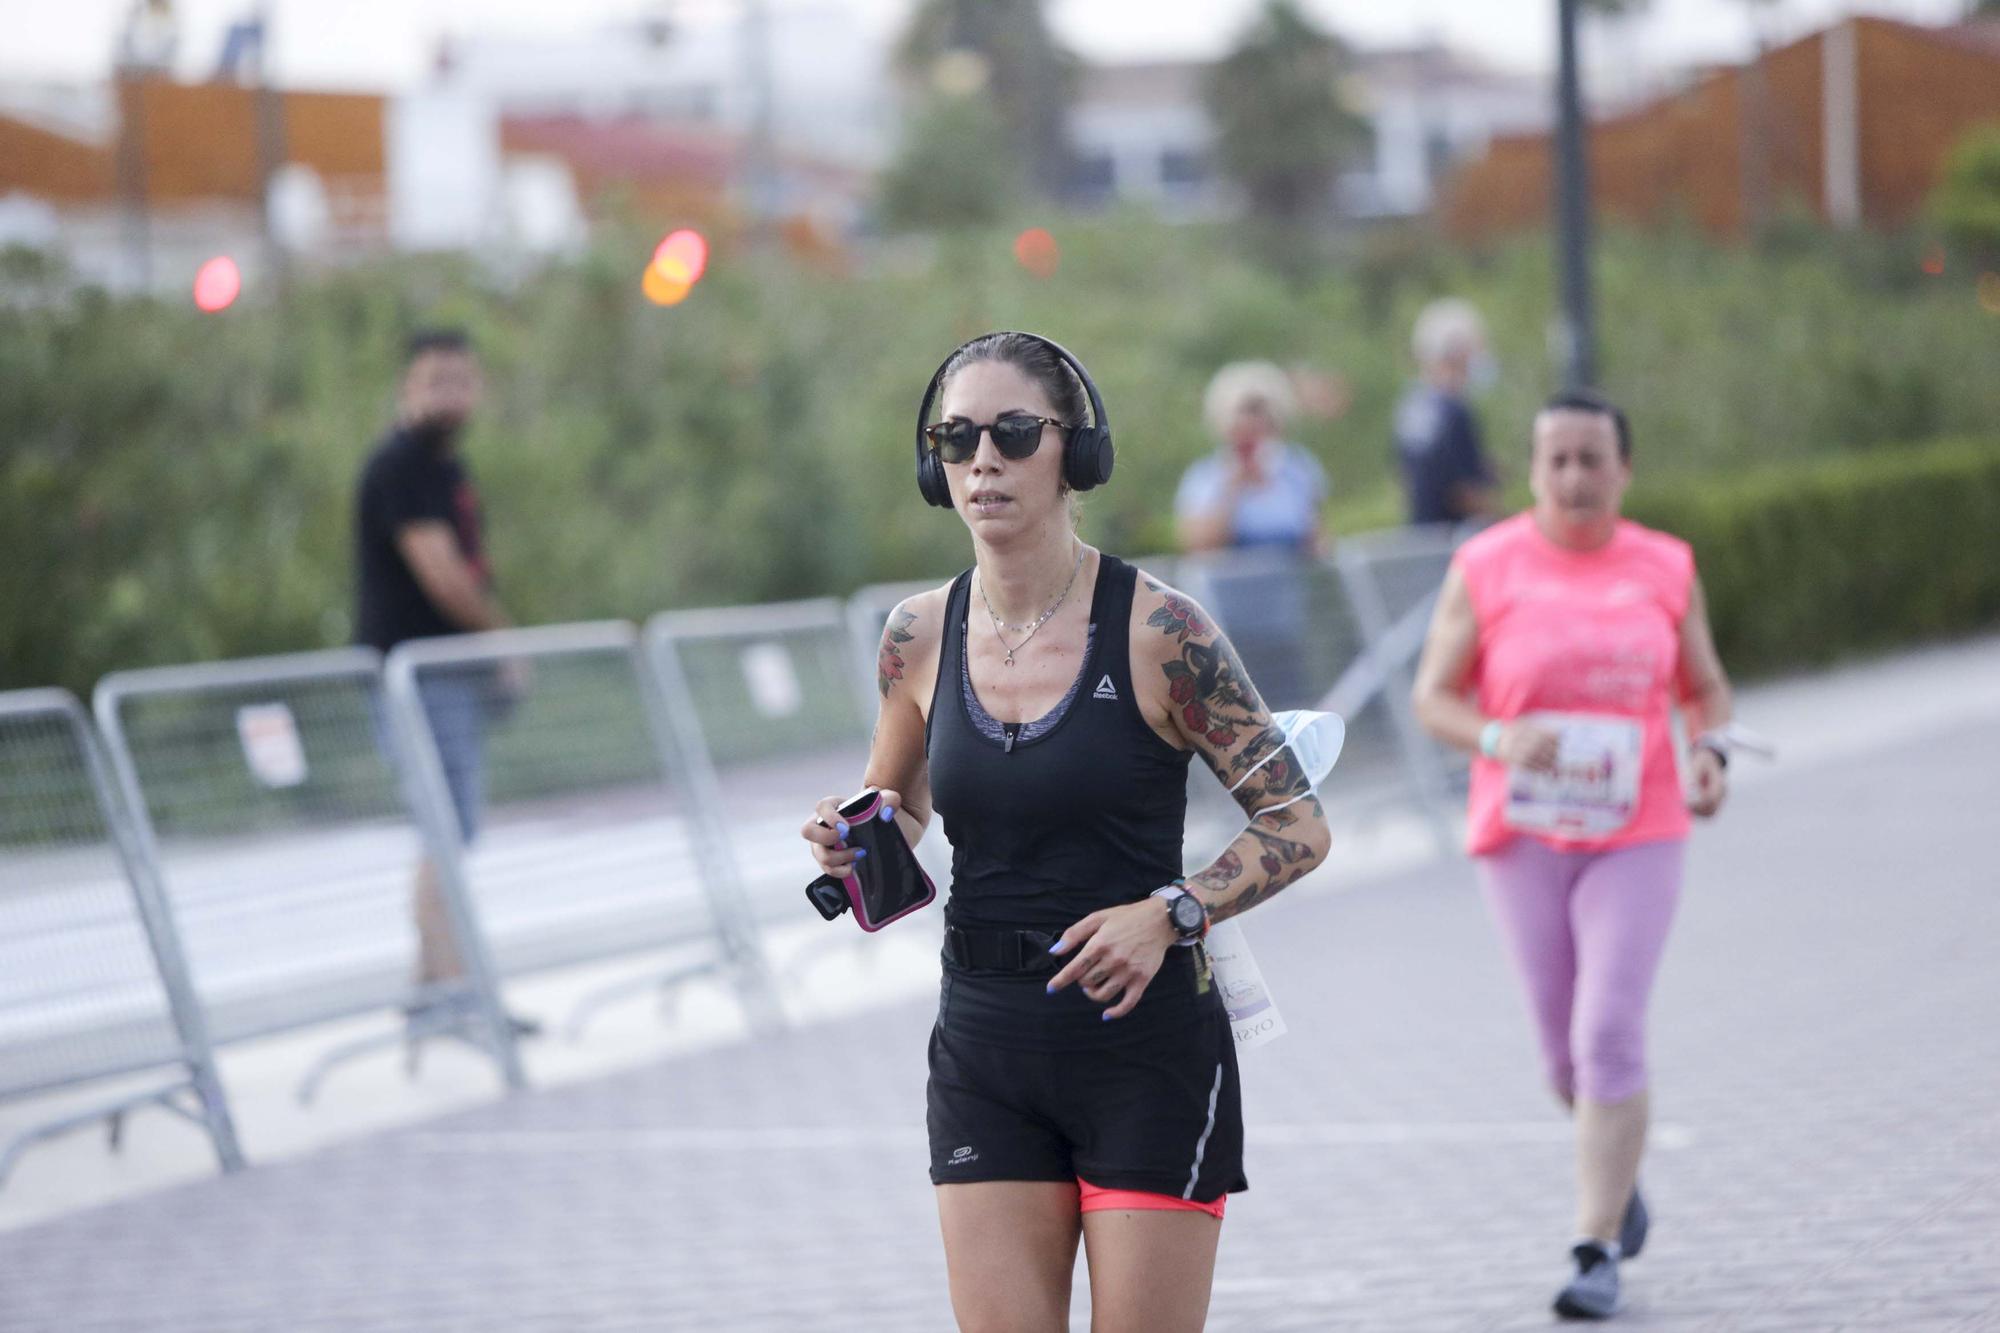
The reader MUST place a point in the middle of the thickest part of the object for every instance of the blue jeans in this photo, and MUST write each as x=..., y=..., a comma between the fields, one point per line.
x=456, y=712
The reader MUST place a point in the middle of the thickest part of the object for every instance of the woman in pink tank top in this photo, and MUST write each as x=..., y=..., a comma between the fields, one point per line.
x=1563, y=639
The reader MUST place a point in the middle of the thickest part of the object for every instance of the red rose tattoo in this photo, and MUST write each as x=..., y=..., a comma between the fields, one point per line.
x=889, y=662
x=1179, y=620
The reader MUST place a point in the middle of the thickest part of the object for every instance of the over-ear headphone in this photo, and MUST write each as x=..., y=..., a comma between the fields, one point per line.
x=1087, y=452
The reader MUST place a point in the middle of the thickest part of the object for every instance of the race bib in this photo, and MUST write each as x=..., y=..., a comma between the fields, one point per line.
x=1594, y=790
x=1253, y=1014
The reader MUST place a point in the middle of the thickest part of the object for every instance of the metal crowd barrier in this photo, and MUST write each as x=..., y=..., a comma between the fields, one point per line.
x=1403, y=567
x=249, y=863
x=92, y=983
x=782, y=722
x=1392, y=580
x=785, y=717
x=266, y=793
x=552, y=781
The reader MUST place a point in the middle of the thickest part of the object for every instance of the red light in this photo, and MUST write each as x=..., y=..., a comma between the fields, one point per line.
x=217, y=284
x=1036, y=251
x=682, y=257
x=1934, y=260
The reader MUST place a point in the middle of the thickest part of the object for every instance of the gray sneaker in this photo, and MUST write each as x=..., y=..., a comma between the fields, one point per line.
x=1593, y=1292
x=1632, y=1231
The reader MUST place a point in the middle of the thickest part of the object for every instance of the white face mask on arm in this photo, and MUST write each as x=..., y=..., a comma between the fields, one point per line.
x=1314, y=739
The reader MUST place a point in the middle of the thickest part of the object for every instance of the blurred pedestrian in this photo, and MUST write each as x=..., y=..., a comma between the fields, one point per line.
x=1257, y=492
x=1083, y=1077
x=1256, y=489
x=1447, y=477
x=422, y=571
x=1562, y=639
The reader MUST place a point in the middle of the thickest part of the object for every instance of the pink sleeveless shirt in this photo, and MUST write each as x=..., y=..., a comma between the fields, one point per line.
x=1590, y=640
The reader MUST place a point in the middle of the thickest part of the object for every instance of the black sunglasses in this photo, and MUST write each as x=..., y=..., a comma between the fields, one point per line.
x=1016, y=435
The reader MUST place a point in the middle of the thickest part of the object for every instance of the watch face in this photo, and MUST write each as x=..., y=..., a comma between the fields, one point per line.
x=1188, y=914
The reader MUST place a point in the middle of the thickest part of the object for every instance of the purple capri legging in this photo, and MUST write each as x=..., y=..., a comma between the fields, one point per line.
x=1586, y=930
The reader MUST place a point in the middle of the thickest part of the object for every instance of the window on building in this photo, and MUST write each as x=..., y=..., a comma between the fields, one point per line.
x=1093, y=175
x=1183, y=168
x=1439, y=153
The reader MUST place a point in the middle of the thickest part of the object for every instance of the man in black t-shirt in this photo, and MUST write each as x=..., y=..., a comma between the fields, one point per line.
x=421, y=568
x=1446, y=475
x=418, y=540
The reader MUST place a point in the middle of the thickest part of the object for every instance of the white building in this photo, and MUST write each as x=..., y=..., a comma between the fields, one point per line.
x=1141, y=132
x=1430, y=107
x=831, y=97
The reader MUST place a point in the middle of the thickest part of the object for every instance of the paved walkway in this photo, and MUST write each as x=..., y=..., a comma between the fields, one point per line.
x=1827, y=1074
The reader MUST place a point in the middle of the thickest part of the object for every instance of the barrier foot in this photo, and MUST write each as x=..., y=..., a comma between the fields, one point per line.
x=757, y=992
x=668, y=982
x=114, y=1112
x=446, y=1013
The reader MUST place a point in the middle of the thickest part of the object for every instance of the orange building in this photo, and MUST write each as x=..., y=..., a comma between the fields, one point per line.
x=54, y=166
x=194, y=157
x=1852, y=124
x=198, y=143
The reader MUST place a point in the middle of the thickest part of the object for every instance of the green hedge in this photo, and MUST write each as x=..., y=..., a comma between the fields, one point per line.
x=1809, y=562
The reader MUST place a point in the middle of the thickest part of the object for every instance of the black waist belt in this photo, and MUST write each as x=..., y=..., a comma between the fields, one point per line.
x=1000, y=950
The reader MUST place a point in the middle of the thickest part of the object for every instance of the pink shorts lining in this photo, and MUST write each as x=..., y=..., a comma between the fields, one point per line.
x=1095, y=1198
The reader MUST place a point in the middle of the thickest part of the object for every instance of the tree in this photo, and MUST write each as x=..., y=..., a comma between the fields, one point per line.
x=956, y=167
x=1028, y=76
x=1282, y=129
x=1760, y=117
x=1966, y=202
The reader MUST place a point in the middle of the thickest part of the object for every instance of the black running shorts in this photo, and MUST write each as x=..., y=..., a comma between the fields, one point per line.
x=1159, y=1111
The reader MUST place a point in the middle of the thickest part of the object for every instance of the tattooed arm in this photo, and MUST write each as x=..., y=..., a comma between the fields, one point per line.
x=1194, y=691
x=1209, y=704
x=905, y=667
x=905, y=670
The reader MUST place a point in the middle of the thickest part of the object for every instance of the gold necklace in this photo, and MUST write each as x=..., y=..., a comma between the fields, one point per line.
x=1034, y=627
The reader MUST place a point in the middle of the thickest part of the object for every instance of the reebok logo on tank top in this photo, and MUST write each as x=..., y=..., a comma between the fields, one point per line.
x=1105, y=689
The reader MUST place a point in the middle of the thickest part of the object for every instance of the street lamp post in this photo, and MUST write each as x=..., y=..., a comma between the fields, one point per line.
x=1578, y=332
x=759, y=148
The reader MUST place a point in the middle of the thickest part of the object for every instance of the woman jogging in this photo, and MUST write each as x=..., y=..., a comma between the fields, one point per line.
x=1045, y=703
x=1562, y=638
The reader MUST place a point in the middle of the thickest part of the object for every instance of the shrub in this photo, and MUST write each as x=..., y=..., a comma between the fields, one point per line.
x=1966, y=202
x=1810, y=562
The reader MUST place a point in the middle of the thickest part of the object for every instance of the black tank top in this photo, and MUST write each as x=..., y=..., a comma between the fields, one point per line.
x=1056, y=819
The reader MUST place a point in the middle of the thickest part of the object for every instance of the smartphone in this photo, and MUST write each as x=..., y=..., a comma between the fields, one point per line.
x=884, y=885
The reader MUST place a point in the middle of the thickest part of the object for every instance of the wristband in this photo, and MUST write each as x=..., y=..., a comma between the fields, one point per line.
x=1716, y=746
x=1489, y=738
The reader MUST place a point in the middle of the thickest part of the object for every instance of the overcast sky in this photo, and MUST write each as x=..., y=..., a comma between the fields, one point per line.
x=383, y=44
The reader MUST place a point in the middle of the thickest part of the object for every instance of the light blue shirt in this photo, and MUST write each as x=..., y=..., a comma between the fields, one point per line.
x=1282, y=511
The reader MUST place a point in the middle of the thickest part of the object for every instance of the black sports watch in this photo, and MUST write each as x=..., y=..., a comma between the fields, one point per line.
x=1186, y=913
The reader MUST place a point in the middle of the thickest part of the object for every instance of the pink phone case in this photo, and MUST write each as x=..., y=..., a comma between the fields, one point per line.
x=853, y=884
